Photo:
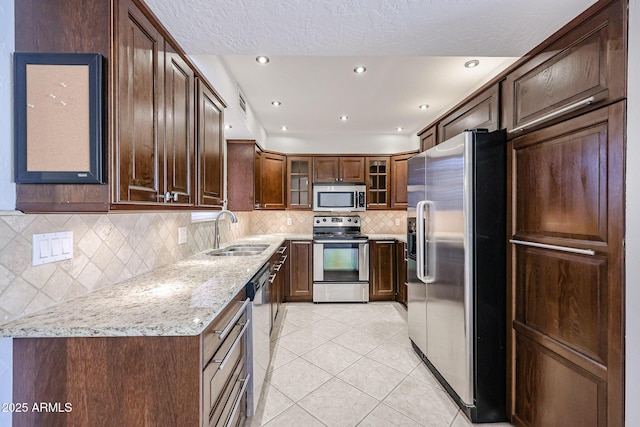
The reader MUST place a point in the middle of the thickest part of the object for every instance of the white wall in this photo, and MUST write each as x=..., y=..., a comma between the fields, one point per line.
x=632, y=359
x=343, y=144
x=7, y=187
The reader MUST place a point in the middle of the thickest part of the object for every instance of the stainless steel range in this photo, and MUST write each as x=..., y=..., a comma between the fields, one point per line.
x=340, y=260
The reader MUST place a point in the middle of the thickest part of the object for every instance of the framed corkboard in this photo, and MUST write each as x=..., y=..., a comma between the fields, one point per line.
x=58, y=115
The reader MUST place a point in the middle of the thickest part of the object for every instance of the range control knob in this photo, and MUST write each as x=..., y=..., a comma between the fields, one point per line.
x=349, y=220
x=317, y=221
x=324, y=219
x=355, y=221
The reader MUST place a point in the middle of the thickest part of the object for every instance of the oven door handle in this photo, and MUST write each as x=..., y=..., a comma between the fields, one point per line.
x=341, y=241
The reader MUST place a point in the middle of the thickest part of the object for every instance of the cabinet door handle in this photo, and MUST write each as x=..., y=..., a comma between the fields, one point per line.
x=223, y=333
x=554, y=247
x=555, y=113
x=225, y=359
x=236, y=405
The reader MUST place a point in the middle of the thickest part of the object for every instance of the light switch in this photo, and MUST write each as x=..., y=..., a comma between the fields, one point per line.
x=51, y=247
x=182, y=235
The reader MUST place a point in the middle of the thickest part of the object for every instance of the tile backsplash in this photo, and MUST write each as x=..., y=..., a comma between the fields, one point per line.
x=111, y=248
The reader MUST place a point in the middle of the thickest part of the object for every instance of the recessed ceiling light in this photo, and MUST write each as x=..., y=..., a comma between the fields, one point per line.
x=228, y=126
x=423, y=106
x=262, y=59
x=276, y=103
x=284, y=128
x=472, y=64
x=360, y=69
x=344, y=118
x=399, y=129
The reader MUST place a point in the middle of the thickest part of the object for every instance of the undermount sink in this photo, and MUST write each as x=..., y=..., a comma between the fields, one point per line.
x=239, y=250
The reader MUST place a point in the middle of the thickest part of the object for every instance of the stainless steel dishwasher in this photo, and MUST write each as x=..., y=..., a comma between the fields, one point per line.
x=258, y=343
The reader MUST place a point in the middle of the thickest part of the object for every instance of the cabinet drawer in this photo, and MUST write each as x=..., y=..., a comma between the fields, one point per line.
x=582, y=70
x=225, y=398
x=233, y=405
x=221, y=372
x=218, y=331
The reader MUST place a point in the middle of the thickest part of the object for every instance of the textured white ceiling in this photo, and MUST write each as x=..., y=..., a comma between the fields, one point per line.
x=413, y=50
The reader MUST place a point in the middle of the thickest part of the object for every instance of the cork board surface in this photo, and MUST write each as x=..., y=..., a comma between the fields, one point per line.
x=57, y=118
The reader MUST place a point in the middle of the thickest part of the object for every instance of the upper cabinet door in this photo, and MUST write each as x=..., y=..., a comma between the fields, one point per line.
x=480, y=112
x=274, y=170
x=338, y=169
x=399, y=170
x=378, y=182
x=352, y=169
x=299, y=182
x=140, y=96
x=210, y=147
x=179, y=128
x=580, y=71
x=326, y=169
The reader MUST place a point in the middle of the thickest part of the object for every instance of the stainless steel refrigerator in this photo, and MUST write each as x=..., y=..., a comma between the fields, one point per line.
x=457, y=268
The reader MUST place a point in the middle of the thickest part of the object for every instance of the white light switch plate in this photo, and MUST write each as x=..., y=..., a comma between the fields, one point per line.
x=51, y=247
x=182, y=235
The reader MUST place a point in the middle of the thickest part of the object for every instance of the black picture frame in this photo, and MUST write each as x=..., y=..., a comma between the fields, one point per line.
x=53, y=141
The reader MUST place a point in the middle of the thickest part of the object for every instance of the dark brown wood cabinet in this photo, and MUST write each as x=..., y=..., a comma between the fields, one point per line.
x=180, y=128
x=399, y=171
x=257, y=177
x=580, y=71
x=401, y=272
x=377, y=181
x=382, y=272
x=240, y=170
x=329, y=169
x=428, y=137
x=568, y=323
x=481, y=111
x=299, y=169
x=127, y=381
x=273, y=177
x=300, y=287
x=140, y=107
x=152, y=143
x=210, y=147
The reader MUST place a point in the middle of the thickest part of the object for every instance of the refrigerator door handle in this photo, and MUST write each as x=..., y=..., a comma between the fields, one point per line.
x=425, y=246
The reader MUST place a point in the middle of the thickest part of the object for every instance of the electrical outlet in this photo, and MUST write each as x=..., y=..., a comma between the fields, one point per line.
x=397, y=221
x=182, y=235
x=289, y=221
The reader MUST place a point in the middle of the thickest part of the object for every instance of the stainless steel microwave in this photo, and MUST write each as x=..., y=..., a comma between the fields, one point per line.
x=339, y=198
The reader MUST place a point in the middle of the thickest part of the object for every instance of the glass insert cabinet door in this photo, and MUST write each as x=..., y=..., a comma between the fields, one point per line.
x=377, y=182
x=299, y=185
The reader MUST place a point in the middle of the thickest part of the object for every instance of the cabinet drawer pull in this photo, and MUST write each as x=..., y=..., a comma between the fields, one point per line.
x=282, y=249
x=554, y=247
x=283, y=259
x=555, y=113
x=236, y=405
x=272, y=278
x=223, y=333
x=225, y=359
x=277, y=267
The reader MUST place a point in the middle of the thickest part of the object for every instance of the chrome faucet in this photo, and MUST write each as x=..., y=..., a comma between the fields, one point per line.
x=216, y=234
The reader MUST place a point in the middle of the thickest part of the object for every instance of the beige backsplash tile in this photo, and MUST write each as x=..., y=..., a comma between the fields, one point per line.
x=111, y=248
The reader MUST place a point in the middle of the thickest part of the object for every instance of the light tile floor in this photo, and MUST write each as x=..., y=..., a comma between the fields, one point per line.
x=350, y=365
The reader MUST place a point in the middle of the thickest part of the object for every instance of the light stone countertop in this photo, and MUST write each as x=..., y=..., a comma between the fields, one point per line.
x=180, y=299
